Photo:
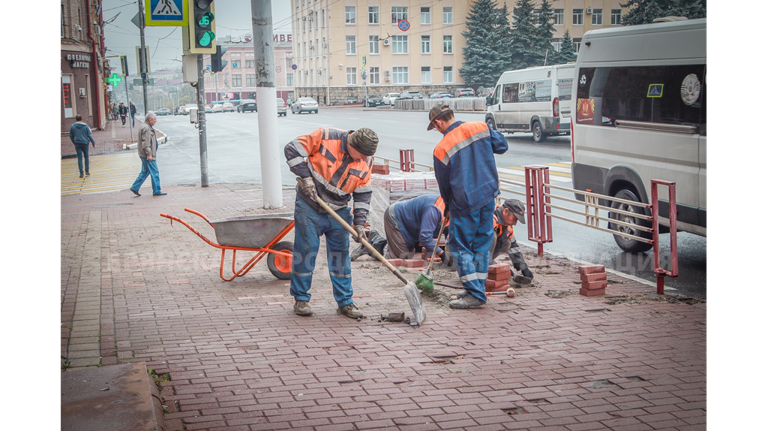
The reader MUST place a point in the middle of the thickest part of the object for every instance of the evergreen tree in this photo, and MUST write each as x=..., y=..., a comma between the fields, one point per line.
x=524, y=47
x=482, y=60
x=567, y=50
x=645, y=11
x=544, y=34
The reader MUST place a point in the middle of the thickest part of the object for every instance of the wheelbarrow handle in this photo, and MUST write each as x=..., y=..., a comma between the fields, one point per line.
x=199, y=214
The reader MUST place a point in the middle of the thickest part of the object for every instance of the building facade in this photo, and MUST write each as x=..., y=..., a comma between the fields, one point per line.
x=237, y=80
x=83, y=66
x=346, y=49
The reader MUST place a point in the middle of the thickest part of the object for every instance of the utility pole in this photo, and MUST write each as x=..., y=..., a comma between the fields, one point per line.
x=266, y=95
x=201, y=122
x=142, y=56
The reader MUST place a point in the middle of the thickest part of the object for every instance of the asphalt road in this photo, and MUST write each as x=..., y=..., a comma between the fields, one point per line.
x=233, y=157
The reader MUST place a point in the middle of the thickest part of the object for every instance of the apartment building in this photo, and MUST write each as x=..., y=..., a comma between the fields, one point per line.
x=344, y=49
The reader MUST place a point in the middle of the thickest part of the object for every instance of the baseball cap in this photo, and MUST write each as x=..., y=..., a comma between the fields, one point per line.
x=435, y=112
x=517, y=208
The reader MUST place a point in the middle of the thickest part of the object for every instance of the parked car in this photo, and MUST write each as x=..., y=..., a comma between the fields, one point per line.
x=247, y=105
x=372, y=100
x=163, y=111
x=208, y=109
x=465, y=92
x=282, y=107
x=304, y=104
x=228, y=107
x=440, y=95
x=410, y=95
x=218, y=108
x=389, y=98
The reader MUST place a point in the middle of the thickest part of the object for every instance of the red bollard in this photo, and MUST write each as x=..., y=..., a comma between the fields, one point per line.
x=406, y=160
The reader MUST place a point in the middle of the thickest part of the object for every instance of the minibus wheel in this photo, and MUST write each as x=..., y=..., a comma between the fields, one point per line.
x=627, y=244
x=538, y=132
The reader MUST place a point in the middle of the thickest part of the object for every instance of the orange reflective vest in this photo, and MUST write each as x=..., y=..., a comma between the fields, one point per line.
x=502, y=232
x=338, y=177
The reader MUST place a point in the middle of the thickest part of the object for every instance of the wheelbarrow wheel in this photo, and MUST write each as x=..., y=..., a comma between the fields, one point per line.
x=280, y=266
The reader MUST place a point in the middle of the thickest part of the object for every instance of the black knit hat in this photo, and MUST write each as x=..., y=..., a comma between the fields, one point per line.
x=364, y=140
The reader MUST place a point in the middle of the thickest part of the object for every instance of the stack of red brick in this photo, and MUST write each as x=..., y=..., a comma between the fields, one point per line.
x=593, y=280
x=498, y=277
x=380, y=168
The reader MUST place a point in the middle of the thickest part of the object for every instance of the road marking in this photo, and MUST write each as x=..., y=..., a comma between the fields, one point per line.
x=109, y=172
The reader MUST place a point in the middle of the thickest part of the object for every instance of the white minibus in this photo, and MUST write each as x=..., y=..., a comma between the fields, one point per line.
x=640, y=113
x=536, y=100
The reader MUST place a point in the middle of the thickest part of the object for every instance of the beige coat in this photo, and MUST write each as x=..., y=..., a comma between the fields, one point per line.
x=147, y=141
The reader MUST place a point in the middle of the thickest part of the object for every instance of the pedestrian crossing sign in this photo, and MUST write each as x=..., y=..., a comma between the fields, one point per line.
x=655, y=90
x=166, y=13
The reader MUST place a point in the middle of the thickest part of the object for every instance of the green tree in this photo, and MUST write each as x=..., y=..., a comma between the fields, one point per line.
x=545, y=34
x=524, y=48
x=483, y=62
x=645, y=11
x=567, y=50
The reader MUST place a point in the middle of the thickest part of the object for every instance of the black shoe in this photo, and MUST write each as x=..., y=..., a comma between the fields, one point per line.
x=87, y=174
x=135, y=192
x=81, y=176
x=160, y=194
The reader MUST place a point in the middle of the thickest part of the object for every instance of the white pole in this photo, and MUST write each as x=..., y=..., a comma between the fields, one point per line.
x=270, y=146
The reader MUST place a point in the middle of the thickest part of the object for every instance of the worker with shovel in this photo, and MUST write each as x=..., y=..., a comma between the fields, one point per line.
x=465, y=168
x=334, y=165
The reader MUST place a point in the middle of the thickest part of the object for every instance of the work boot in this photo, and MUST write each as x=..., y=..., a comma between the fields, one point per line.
x=521, y=279
x=359, y=251
x=466, y=302
x=350, y=311
x=302, y=308
x=462, y=294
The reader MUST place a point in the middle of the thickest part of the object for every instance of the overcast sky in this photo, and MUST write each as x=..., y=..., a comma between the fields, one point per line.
x=233, y=17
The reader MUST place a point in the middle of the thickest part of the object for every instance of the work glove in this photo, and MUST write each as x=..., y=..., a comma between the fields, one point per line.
x=308, y=187
x=360, y=233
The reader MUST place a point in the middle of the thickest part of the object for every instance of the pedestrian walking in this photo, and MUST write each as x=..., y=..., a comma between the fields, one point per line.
x=80, y=134
x=115, y=111
x=133, y=114
x=147, y=147
x=335, y=165
x=466, y=174
x=123, y=112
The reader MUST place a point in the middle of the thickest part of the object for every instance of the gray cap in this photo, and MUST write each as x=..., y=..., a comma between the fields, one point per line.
x=436, y=112
x=517, y=208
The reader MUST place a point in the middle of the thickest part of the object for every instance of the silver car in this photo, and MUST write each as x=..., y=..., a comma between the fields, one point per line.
x=282, y=108
x=304, y=104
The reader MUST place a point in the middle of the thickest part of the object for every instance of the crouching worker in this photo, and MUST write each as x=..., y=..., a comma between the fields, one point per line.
x=335, y=165
x=413, y=222
x=505, y=217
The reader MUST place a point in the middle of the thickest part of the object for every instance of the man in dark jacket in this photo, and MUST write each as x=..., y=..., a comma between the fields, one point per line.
x=80, y=134
x=133, y=114
x=123, y=111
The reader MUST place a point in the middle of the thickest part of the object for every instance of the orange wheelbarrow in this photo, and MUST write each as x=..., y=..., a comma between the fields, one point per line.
x=260, y=233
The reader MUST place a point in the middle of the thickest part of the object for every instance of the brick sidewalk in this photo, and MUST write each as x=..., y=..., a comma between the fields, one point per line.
x=233, y=356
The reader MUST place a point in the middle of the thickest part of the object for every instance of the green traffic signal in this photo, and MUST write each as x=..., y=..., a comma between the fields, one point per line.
x=206, y=39
x=205, y=20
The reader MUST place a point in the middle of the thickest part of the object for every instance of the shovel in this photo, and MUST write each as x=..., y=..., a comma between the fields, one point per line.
x=412, y=293
x=426, y=282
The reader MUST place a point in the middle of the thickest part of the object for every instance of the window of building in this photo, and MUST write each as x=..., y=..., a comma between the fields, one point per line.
x=373, y=14
x=447, y=15
x=325, y=47
x=373, y=44
x=426, y=16
x=351, y=76
x=448, y=74
x=615, y=16
x=558, y=18
x=399, y=44
x=250, y=64
x=578, y=17
x=399, y=75
x=237, y=80
x=351, y=45
x=425, y=48
x=426, y=75
x=557, y=45
x=398, y=13
x=597, y=17
x=250, y=79
x=577, y=45
x=323, y=14
x=447, y=44
x=289, y=79
x=375, y=75
x=349, y=14
x=62, y=20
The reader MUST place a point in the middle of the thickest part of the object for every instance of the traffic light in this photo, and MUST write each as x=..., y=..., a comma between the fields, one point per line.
x=202, y=29
x=217, y=64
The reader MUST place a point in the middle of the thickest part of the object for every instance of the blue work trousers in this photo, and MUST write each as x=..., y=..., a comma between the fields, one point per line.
x=82, y=150
x=310, y=225
x=470, y=238
x=148, y=169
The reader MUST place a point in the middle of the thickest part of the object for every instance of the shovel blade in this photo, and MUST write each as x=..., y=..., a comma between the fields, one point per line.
x=413, y=296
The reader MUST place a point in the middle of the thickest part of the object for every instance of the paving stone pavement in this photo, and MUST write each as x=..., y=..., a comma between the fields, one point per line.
x=233, y=356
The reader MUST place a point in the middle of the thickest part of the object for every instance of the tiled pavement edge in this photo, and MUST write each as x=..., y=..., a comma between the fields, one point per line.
x=233, y=356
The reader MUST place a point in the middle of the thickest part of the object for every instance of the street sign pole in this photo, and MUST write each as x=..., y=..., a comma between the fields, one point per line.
x=128, y=99
x=201, y=122
x=142, y=57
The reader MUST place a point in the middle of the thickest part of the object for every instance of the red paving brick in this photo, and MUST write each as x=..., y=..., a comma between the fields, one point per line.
x=239, y=359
